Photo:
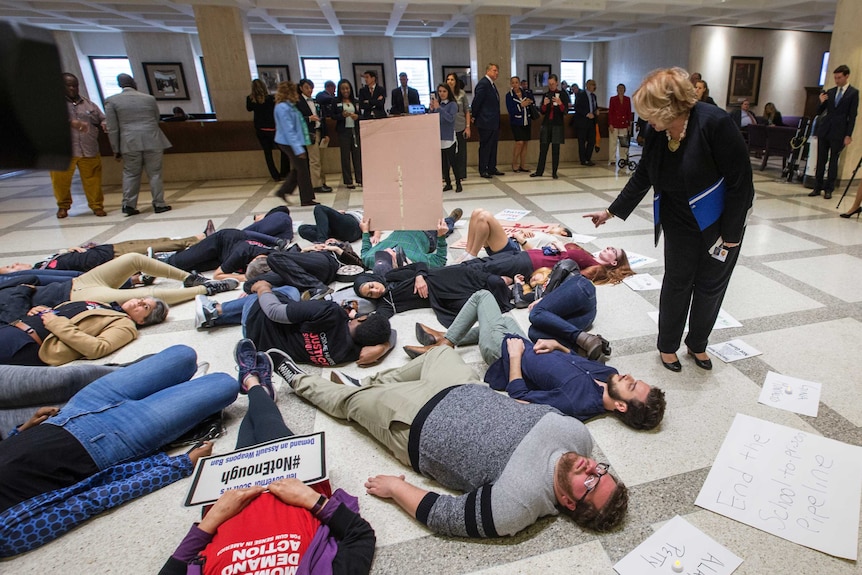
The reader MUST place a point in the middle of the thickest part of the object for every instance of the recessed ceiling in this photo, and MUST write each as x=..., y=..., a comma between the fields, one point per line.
x=574, y=20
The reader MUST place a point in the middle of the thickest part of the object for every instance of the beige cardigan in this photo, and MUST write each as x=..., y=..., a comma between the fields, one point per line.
x=90, y=334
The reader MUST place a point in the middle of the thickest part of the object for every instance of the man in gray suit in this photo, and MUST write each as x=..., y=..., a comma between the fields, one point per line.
x=133, y=128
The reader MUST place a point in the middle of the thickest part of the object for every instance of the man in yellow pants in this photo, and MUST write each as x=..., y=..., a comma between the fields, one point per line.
x=85, y=120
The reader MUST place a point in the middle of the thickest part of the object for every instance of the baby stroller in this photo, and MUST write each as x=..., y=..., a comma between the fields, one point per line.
x=633, y=153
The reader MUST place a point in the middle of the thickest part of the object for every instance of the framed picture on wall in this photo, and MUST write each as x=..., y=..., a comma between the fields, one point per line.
x=272, y=74
x=462, y=73
x=359, y=69
x=537, y=76
x=744, y=81
x=166, y=80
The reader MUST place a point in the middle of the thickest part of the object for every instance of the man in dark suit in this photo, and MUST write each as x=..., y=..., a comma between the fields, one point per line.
x=316, y=130
x=486, y=113
x=834, y=129
x=326, y=98
x=586, y=110
x=403, y=96
x=372, y=98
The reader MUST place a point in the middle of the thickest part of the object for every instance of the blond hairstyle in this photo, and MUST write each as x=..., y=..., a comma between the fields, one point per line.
x=286, y=93
x=664, y=95
x=491, y=65
x=258, y=91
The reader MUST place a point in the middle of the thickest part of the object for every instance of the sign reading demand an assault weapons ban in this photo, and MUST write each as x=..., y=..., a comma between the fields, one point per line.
x=301, y=457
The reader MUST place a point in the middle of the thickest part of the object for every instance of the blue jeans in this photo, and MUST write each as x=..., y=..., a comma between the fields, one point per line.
x=235, y=312
x=565, y=312
x=133, y=411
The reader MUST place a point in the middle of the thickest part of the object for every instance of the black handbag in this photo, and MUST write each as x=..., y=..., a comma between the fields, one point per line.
x=534, y=113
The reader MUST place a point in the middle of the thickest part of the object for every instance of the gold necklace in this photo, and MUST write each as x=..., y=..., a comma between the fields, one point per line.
x=672, y=144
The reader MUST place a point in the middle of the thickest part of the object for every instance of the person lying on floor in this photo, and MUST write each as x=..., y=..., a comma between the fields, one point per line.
x=284, y=509
x=102, y=284
x=487, y=232
x=102, y=447
x=514, y=462
x=546, y=372
x=406, y=246
x=317, y=332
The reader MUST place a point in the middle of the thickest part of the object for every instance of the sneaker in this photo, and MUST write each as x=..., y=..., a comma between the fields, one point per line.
x=245, y=354
x=264, y=373
x=344, y=379
x=205, y=312
x=314, y=295
x=219, y=286
x=456, y=214
x=195, y=279
x=285, y=367
x=148, y=280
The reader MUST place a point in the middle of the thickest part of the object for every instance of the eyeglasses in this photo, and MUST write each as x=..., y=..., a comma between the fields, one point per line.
x=592, y=480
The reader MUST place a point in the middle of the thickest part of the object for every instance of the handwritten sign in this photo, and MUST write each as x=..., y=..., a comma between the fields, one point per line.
x=732, y=350
x=791, y=394
x=299, y=456
x=511, y=215
x=790, y=483
x=642, y=282
x=679, y=547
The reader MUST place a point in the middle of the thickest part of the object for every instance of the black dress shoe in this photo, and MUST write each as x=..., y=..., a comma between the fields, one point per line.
x=535, y=175
x=498, y=173
x=674, y=366
x=350, y=187
x=130, y=211
x=555, y=176
x=827, y=195
x=486, y=176
x=814, y=194
x=447, y=187
x=161, y=209
x=311, y=203
x=701, y=363
x=325, y=189
x=589, y=163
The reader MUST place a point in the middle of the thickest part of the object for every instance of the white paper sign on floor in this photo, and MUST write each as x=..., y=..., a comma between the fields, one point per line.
x=732, y=350
x=679, y=547
x=300, y=456
x=790, y=483
x=642, y=282
x=723, y=321
x=511, y=215
x=791, y=394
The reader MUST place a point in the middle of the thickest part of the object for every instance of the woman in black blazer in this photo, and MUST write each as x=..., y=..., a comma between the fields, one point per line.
x=262, y=103
x=697, y=163
x=345, y=110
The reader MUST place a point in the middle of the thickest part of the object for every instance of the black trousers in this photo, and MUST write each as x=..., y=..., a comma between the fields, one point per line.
x=831, y=148
x=330, y=223
x=267, y=142
x=300, y=175
x=262, y=422
x=694, y=285
x=349, y=145
x=304, y=271
x=448, y=158
x=586, y=138
x=208, y=253
x=543, y=155
x=488, y=150
x=459, y=165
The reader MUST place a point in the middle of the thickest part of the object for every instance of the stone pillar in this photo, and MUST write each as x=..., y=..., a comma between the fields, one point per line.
x=228, y=58
x=846, y=48
x=490, y=42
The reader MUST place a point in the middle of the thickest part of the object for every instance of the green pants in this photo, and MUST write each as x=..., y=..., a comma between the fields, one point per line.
x=493, y=326
x=387, y=403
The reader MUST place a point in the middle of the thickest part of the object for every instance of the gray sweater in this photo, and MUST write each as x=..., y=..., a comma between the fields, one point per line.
x=501, y=452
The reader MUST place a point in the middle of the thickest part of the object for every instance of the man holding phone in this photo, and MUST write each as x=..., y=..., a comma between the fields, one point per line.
x=555, y=104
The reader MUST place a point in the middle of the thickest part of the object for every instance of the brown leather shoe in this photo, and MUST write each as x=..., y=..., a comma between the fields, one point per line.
x=100, y=212
x=427, y=336
x=62, y=213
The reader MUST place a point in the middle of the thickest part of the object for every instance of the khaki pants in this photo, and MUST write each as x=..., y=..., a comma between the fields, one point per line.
x=158, y=245
x=317, y=177
x=103, y=283
x=387, y=403
x=90, y=170
x=614, y=136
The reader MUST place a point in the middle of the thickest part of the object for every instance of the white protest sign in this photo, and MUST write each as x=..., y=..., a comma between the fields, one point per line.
x=732, y=350
x=679, y=547
x=723, y=321
x=790, y=483
x=511, y=215
x=642, y=282
x=791, y=394
x=581, y=239
x=299, y=456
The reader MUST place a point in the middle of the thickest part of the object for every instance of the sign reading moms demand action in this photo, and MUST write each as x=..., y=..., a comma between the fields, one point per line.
x=300, y=456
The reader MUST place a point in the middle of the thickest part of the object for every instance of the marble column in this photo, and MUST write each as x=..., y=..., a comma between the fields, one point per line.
x=490, y=42
x=846, y=48
x=228, y=58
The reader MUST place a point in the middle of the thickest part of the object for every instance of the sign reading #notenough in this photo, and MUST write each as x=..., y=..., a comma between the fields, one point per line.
x=300, y=456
